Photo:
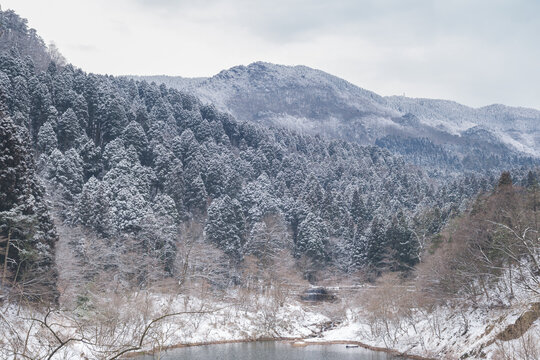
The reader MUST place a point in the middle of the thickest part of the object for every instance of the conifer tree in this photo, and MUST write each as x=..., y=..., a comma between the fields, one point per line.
x=93, y=207
x=112, y=119
x=505, y=179
x=134, y=135
x=40, y=103
x=376, y=244
x=24, y=219
x=358, y=251
x=402, y=244
x=47, y=140
x=68, y=129
x=312, y=238
x=359, y=211
x=195, y=196
x=225, y=226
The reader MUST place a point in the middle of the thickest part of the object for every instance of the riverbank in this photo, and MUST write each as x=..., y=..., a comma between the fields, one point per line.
x=117, y=325
x=449, y=333
x=154, y=323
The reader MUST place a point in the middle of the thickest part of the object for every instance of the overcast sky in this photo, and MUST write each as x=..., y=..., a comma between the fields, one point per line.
x=474, y=52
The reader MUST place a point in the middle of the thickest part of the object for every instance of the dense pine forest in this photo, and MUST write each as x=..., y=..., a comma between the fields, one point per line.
x=128, y=159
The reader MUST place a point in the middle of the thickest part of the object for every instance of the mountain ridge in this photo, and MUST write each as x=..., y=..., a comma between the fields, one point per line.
x=196, y=79
x=312, y=100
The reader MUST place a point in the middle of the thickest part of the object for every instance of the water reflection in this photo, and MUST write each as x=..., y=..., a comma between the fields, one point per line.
x=269, y=350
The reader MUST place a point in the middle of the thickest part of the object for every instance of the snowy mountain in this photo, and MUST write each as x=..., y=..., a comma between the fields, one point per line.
x=312, y=101
x=514, y=126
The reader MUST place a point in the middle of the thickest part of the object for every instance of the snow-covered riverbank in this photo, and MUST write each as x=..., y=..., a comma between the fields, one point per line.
x=151, y=322
x=445, y=333
x=449, y=333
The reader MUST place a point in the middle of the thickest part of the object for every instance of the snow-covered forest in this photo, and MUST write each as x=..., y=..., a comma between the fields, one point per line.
x=443, y=137
x=112, y=187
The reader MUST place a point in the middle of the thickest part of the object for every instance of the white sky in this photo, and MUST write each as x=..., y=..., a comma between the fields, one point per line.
x=475, y=52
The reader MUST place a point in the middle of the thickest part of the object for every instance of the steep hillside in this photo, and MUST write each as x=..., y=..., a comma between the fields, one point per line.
x=311, y=101
x=136, y=164
x=516, y=127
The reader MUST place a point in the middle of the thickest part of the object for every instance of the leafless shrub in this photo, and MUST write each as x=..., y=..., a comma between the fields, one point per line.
x=495, y=244
x=389, y=307
x=524, y=348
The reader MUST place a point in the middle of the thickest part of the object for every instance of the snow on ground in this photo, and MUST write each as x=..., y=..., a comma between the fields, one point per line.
x=443, y=332
x=446, y=332
x=210, y=321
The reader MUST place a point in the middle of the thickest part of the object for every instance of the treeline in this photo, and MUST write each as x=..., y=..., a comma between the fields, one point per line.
x=16, y=36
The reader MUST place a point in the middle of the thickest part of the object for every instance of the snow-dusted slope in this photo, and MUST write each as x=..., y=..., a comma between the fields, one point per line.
x=517, y=127
x=306, y=99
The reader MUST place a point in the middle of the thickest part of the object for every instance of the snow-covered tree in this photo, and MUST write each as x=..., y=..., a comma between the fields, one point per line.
x=225, y=226
x=267, y=239
x=195, y=192
x=25, y=224
x=402, y=244
x=47, y=140
x=312, y=238
x=93, y=207
x=68, y=129
x=134, y=135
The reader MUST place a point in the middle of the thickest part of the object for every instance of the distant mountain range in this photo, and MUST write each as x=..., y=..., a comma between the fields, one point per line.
x=439, y=135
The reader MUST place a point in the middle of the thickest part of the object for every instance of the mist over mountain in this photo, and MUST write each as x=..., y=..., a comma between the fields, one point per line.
x=442, y=136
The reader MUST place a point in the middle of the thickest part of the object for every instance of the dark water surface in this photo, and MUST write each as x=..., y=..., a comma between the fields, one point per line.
x=269, y=350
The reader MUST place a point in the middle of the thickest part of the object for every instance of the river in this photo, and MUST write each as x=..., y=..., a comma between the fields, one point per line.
x=269, y=350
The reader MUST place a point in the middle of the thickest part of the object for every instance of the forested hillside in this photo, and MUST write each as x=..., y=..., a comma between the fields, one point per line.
x=126, y=159
x=475, y=293
x=443, y=137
